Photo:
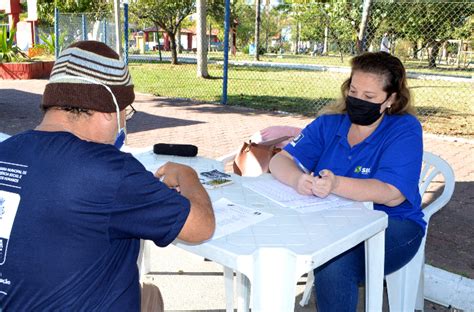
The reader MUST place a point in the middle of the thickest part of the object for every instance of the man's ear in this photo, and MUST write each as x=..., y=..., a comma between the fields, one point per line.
x=106, y=116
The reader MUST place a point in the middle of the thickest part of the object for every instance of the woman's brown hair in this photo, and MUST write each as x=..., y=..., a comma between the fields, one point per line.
x=395, y=82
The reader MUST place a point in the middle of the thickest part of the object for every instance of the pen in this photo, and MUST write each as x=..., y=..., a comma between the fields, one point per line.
x=303, y=168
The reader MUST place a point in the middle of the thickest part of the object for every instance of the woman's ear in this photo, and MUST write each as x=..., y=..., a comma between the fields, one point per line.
x=392, y=98
x=388, y=103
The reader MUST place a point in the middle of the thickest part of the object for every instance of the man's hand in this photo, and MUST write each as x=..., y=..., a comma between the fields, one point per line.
x=170, y=172
x=200, y=223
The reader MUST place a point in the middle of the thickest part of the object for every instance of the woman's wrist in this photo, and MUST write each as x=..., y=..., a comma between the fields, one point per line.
x=337, y=181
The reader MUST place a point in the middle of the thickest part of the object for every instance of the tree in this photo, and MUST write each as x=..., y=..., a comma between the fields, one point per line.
x=242, y=17
x=46, y=8
x=164, y=14
x=431, y=23
x=201, y=40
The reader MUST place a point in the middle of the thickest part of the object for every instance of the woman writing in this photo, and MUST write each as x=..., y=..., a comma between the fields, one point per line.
x=367, y=147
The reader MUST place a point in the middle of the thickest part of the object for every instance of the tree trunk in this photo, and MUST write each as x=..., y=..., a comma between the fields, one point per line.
x=257, y=28
x=434, y=54
x=210, y=36
x=158, y=39
x=202, y=39
x=297, y=38
x=361, y=38
x=414, y=45
x=326, y=35
x=174, y=54
x=233, y=41
x=267, y=27
x=178, y=41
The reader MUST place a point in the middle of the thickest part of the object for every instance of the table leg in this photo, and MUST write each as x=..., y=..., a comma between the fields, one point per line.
x=229, y=288
x=274, y=281
x=243, y=292
x=374, y=269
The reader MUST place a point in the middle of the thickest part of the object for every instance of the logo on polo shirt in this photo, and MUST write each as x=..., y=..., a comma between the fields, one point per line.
x=362, y=170
x=297, y=139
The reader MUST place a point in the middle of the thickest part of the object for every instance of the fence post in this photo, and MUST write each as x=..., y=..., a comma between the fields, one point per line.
x=56, y=32
x=226, y=51
x=125, y=29
x=84, y=27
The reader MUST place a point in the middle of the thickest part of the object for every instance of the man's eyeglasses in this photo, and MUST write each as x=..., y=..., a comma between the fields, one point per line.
x=129, y=111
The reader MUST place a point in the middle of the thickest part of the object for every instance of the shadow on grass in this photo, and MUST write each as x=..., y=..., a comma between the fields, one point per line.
x=434, y=86
x=297, y=105
x=429, y=111
x=250, y=104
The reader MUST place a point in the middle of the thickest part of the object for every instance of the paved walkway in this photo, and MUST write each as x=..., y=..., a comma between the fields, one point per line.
x=218, y=129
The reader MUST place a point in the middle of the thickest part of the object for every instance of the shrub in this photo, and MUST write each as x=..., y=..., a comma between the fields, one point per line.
x=9, y=52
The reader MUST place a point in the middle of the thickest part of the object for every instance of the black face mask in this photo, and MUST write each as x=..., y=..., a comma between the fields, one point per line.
x=362, y=112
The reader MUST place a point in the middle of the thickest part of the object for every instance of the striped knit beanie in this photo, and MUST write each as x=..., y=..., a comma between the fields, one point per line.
x=95, y=62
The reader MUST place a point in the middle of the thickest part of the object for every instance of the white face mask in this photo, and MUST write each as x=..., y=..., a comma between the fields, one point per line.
x=120, y=138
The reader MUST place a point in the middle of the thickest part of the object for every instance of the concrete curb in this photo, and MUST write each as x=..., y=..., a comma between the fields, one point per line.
x=449, y=289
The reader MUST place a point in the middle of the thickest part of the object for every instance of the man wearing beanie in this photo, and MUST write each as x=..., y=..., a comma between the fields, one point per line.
x=74, y=207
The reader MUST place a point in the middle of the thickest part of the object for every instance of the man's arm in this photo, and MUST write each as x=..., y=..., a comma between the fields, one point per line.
x=200, y=224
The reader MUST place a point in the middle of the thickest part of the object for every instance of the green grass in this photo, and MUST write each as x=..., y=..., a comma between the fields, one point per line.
x=444, y=107
x=412, y=65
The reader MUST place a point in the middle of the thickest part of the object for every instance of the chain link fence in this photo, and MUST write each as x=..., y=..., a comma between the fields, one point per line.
x=304, y=55
x=73, y=27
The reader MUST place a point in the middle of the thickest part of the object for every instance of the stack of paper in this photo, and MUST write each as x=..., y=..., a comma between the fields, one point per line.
x=231, y=217
x=286, y=196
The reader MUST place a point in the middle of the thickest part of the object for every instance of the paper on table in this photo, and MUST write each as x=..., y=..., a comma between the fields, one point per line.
x=231, y=217
x=286, y=196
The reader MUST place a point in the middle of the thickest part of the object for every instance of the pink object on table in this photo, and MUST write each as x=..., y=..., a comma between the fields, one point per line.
x=275, y=132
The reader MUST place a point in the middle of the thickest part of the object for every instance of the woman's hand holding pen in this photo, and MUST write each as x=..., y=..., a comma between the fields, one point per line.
x=324, y=184
x=304, y=184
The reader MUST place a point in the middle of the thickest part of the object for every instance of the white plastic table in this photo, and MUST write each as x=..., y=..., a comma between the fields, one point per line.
x=275, y=253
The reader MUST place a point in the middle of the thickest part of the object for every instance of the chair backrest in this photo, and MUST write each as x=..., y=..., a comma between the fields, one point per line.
x=3, y=136
x=433, y=166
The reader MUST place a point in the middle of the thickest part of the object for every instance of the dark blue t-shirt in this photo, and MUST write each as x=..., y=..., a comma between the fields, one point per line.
x=392, y=154
x=71, y=216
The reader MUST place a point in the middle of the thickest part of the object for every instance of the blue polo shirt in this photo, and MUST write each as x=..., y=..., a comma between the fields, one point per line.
x=393, y=154
x=72, y=214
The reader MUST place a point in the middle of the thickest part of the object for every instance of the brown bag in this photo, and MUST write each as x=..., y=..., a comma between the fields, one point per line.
x=253, y=159
x=151, y=298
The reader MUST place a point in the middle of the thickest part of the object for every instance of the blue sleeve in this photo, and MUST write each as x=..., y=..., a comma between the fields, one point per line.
x=401, y=159
x=308, y=146
x=146, y=208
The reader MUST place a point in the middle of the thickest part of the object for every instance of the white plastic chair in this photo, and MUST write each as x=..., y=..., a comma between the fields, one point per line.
x=143, y=260
x=3, y=136
x=405, y=287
